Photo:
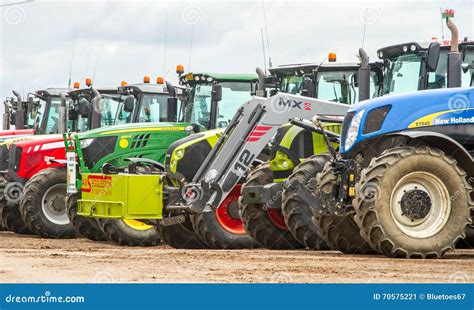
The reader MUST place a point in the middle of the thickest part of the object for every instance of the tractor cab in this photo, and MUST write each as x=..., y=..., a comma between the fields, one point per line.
x=47, y=110
x=423, y=65
x=336, y=82
x=144, y=103
x=81, y=109
x=210, y=100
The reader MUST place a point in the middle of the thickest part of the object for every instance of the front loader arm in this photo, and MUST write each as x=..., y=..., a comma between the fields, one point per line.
x=253, y=126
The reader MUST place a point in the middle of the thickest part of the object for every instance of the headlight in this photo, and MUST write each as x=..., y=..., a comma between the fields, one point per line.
x=353, y=130
x=86, y=142
x=179, y=154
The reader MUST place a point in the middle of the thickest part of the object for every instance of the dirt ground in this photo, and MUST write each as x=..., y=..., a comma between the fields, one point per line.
x=32, y=259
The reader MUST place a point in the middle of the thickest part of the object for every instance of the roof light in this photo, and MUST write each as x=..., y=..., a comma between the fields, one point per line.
x=77, y=85
x=179, y=69
x=413, y=47
x=160, y=80
x=209, y=79
x=123, y=83
x=332, y=57
x=146, y=79
x=203, y=78
x=196, y=78
x=189, y=77
x=88, y=82
x=405, y=48
x=380, y=54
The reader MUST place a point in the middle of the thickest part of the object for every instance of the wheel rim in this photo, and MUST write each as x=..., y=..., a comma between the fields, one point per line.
x=53, y=205
x=228, y=213
x=137, y=225
x=420, y=204
x=277, y=219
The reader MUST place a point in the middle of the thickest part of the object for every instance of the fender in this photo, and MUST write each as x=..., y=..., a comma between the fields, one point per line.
x=443, y=142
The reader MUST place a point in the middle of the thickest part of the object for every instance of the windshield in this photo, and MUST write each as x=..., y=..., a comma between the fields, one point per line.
x=52, y=123
x=153, y=108
x=122, y=116
x=402, y=74
x=338, y=86
x=36, y=113
x=468, y=73
x=198, y=107
x=292, y=84
x=109, y=106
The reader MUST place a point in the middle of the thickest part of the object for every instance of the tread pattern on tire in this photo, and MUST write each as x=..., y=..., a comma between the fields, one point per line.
x=367, y=213
x=339, y=232
x=298, y=215
x=118, y=232
x=87, y=227
x=181, y=236
x=12, y=220
x=256, y=220
x=31, y=210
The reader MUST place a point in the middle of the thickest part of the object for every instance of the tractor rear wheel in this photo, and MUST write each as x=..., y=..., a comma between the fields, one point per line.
x=340, y=232
x=86, y=226
x=297, y=213
x=182, y=236
x=43, y=206
x=12, y=220
x=223, y=228
x=130, y=232
x=266, y=225
x=2, y=205
x=413, y=202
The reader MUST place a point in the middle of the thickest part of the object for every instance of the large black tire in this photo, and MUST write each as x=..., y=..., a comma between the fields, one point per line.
x=12, y=220
x=223, y=228
x=86, y=226
x=43, y=205
x=392, y=223
x=256, y=218
x=182, y=236
x=340, y=232
x=2, y=205
x=297, y=213
x=118, y=231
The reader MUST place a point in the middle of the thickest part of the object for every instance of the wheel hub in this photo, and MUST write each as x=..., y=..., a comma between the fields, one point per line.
x=54, y=205
x=415, y=204
x=233, y=209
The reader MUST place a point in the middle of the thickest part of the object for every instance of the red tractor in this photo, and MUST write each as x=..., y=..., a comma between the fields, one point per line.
x=47, y=108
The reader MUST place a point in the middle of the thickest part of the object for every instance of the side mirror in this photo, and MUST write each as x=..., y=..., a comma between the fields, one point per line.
x=129, y=104
x=84, y=107
x=216, y=95
x=72, y=114
x=432, y=57
x=30, y=105
x=273, y=92
x=306, y=87
x=172, y=109
x=12, y=118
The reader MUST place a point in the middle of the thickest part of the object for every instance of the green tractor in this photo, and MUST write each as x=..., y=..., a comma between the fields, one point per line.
x=207, y=101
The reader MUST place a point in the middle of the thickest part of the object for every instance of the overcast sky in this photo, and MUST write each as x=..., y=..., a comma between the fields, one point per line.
x=125, y=40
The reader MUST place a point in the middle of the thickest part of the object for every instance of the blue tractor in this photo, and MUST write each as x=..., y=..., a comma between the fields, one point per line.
x=402, y=181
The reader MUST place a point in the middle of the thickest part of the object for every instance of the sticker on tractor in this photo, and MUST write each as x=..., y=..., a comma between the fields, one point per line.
x=451, y=117
x=71, y=172
x=97, y=184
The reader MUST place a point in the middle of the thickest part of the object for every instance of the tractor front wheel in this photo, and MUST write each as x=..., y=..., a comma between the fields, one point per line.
x=182, y=236
x=130, y=232
x=297, y=213
x=12, y=220
x=43, y=205
x=223, y=228
x=266, y=225
x=86, y=226
x=413, y=202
